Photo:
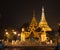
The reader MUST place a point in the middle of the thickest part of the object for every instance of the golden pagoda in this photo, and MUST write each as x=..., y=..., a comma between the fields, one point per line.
x=43, y=22
x=33, y=23
x=44, y=26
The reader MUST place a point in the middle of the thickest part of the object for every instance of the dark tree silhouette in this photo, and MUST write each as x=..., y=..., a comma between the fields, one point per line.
x=59, y=30
x=26, y=26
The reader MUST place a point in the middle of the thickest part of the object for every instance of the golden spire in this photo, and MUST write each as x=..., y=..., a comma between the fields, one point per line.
x=43, y=22
x=33, y=22
x=43, y=15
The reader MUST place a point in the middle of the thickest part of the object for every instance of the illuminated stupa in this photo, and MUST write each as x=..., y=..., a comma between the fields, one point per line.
x=43, y=22
x=33, y=23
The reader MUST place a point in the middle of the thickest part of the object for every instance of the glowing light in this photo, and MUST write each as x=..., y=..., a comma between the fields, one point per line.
x=23, y=29
x=59, y=24
x=15, y=32
x=5, y=29
x=6, y=33
x=18, y=34
x=51, y=41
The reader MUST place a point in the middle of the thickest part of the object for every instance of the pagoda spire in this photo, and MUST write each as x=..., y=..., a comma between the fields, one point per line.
x=43, y=22
x=43, y=15
x=33, y=22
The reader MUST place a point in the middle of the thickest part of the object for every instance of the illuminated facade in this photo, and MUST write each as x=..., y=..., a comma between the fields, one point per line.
x=33, y=34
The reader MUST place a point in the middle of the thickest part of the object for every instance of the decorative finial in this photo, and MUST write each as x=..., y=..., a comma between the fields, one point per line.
x=42, y=8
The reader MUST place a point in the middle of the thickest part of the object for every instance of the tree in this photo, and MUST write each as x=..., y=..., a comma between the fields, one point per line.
x=26, y=26
x=59, y=29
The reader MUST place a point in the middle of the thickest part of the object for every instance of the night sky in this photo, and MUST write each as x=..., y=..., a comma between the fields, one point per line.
x=15, y=13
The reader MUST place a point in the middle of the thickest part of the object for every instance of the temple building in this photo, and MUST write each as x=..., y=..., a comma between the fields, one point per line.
x=37, y=31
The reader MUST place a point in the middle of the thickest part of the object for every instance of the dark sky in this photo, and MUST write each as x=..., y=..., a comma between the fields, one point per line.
x=15, y=13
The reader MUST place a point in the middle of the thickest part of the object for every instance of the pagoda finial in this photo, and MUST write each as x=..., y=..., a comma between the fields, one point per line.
x=43, y=15
x=42, y=8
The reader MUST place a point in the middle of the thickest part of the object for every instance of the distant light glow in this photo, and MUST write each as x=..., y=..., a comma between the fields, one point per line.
x=15, y=32
x=6, y=33
x=18, y=34
x=5, y=29
x=59, y=24
x=23, y=29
